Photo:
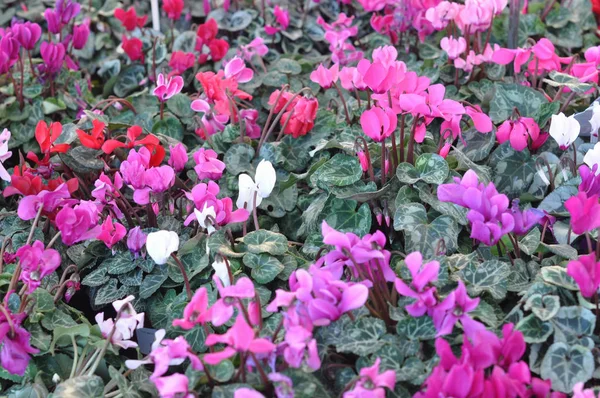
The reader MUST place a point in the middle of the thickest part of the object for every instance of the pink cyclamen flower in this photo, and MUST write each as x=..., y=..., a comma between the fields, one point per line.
x=282, y=19
x=378, y=123
x=167, y=87
x=27, y=34
x=175, y=385
x=136, y=240
x=590, y=179
x=16, y=347
x=250, y=117
x=81, y=33
x=579, y=392
x=420, y=288
x=53, y=56
x=78, y=223
x=5, y=154
x=196, y=312
x=208, y=165
x=521, y=133
x=255, y=47
x=111, y=233
x=237, y=70
x=247, y=393
x=585, y=212
x=126, y=324
x=240, y=338
x=454, y=308
x=36, y=263
x=178, y=157
x=453, y=47
x=371, y=383
x=586, y=272
x=324, y=77
x=525, y=219
x=223, y=309
x=48, y=200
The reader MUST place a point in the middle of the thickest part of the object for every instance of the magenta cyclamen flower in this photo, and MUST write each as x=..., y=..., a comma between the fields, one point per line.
x=16, y=347
x=230, y=297
x=27, y=33
x=111, y=233
x=454, y=308
x=586, y=272
x=48, y=200
x=240, y=338
x=590, y=180
x=420, y=288
x=167, y=87
x=208, y=165
x=53, y=55
x=488, y=209
x=236, y=69
x=196, y=312
x=36, y=263
x=178, y=157
x=204, y=197
x=372, y=383
x=525, y=219
x=585, y=212
x=78, y=223
x=81, y=33
x=325, y=77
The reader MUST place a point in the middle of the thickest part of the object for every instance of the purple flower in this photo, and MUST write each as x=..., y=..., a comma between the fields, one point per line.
x=67, y=10
x=454, y=308
x=586, y=272
x=488, y=210
x=78, y=223
x=590, y=180
x=49, y=200
x=136, y=239
x=525, y=220
x=27, y=34
x=208, y=165
x=81, y=33
x=371, y=383
x=53, y=56
x=14, y=355
x=178, y=157
x=419, y=289
x=53, y=20
x=36, y=263
x=10, y=45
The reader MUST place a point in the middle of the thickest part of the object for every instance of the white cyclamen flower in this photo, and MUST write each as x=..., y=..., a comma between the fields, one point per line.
x=4, y=154
x=261, y=186
x=160, y=245
x=592, y=157
x=595, y=121
x=203, y=219
x=564, y=130
x=221, y=271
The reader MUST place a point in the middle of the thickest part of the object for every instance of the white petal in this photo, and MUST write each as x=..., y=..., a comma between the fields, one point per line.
x=265, y=178
x=246, y=194
x=221, y=271
x=160, y=245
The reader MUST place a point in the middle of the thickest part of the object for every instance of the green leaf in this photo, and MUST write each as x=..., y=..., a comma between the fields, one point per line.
x=170, y=127
x=544, y=307
x=51, y=105
x=558, y=79
x=288, y=66
x=347, y=219
x=409, y=216
x=565, y=251
x=80, y=387
x=478, y=145
x=238, y=158
x=426, y=238
x=557, y=275
x=153, y=281
x=555, y=202
x=39, y=338
x=544, y=114
x=407, y=174
x=432, y=168
x=420, y=328
x=109, y=293
x=129, y=80
x=362, y=337
x=223, y=372
x=120, y=263
x=572, y=323
x=185, y=42
x=97, y=277
x=566, y=366
x=489, y=276
x=162, y=310
x=530, y=242
x=508, y=96
x=339, y=171
x=263, y=241
x=534, y=330
x=265, y=268
x=81, y=330
x=180, y=105
x=513, y=170
x=82, y=159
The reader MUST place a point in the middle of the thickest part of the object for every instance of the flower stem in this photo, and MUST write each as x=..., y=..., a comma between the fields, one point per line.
x=186, y=281
x=255, y=212
x=383, y=173
x=348, y=120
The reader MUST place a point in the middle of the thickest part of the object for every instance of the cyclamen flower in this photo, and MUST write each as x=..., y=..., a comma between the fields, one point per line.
x=208, y=165
x=300, y=119
x=27, y=33
x=161, y=244
x=181, y=61
x=78, y=223
x=95, y=138
x=173, y=8
x=53, y=55
x=378, y=123
x=178, y=157
x=255, y=47
x=324, y=77
x=586, y=272
x=453, y=47
x=592, y=157
x=5, y=154
x=223, y=309
x=111, y=233
x=133, y=48
x=81, y=33
x=236, y=69
x=204, y=197
x=48, y=200
x=372, y=383
x=37, y=263
x=585, y=212
x=16, y=347
x=579, y=392
x=252, y=192
x=525, y=220
x=488, y=209
x=590, y=180
x=167, y=87
x=240, y=338
x=420, y=288
x=196, y=312
x=129, y=18
x=250, y=117
x=124, y=328
x=564, y=130
x=522, y=132
x=454, y=308
x=136, y=240
x=282, y=19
